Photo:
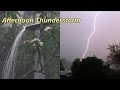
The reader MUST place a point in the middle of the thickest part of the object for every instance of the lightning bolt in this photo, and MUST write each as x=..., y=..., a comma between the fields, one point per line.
x=91, y=34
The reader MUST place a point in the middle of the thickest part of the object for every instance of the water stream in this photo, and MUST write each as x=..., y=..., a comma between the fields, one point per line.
x=8, y=70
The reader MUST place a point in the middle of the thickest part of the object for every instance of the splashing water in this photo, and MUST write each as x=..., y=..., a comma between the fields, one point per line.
x=8, y=70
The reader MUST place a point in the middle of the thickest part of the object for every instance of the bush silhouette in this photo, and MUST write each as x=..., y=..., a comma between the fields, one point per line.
x=89, y=68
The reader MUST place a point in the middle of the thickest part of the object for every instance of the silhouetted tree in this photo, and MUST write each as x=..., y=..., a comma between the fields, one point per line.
x=61, y=66
x=114, y=55
x=89, y=68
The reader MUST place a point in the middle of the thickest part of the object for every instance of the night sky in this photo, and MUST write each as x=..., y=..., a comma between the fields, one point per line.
x=74, y=36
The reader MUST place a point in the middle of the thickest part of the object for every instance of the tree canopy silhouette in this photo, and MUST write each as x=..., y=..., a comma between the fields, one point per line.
x=61, y=66
x=89, y=68
x=114, y=55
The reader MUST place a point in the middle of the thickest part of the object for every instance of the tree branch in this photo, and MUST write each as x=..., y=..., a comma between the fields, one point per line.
x=55, y=38
x=33, y=70
x=27, y=73
x=54, y=51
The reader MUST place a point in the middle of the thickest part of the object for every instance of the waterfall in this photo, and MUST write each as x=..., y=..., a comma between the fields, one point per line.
x=8, y=70
x=9, y=67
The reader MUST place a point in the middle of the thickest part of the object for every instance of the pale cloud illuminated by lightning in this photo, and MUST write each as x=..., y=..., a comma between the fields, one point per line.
x=88, y=41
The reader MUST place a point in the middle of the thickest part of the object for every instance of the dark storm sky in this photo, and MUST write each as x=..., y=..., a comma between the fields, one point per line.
x=74, y=35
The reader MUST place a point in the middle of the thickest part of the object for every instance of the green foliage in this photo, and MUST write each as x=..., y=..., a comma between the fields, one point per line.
x=7, y=37
x=51, y=40
x=26, y=51
x=48, y=14
x=6, y=14
x=12, y=14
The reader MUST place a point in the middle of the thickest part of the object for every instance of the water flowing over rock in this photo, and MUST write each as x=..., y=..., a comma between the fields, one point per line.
x=8, y=71
x=10, y=64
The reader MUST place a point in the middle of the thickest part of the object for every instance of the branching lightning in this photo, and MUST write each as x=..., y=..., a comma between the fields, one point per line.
x=91, y=34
